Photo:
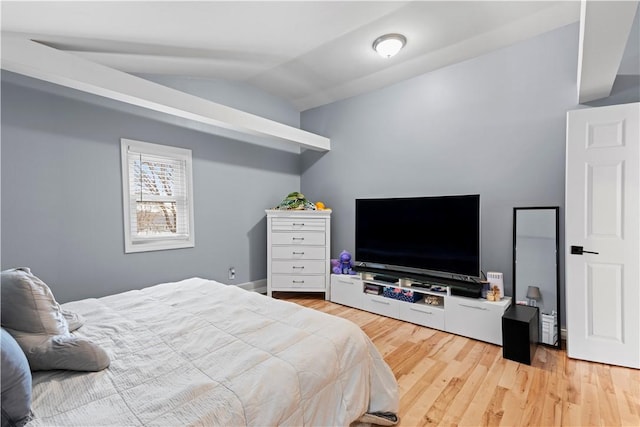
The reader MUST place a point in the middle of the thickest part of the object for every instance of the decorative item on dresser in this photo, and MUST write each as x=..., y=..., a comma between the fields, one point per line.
x=298, y=251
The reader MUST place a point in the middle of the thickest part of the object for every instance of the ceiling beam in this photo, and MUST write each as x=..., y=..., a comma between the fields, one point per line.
x=604, y=30
x=24, y=56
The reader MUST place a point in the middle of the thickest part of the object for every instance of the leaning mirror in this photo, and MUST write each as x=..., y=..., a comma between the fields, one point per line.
x=536, y=274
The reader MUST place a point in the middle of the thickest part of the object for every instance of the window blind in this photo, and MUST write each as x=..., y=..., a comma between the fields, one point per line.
x=158, y=194
x=158, y=205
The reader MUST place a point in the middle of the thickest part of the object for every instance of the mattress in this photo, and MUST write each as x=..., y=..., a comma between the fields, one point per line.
x=198, y=352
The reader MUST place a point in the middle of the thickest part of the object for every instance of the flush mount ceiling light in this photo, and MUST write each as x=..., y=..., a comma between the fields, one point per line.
x=389, y=44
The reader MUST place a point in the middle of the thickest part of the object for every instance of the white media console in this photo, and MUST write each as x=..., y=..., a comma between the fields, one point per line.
x=471, y=317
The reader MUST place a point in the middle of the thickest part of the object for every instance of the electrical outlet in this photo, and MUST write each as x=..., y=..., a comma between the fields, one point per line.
x=232, y=273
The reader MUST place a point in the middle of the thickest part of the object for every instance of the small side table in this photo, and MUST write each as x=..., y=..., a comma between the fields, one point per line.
x=520, y=327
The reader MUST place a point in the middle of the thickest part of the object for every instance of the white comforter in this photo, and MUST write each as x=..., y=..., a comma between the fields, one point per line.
x=198, y=352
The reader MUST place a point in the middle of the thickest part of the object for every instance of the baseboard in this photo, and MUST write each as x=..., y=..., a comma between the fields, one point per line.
x=259, y=286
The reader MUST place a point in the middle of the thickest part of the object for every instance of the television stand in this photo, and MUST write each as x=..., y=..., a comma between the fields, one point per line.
x=439, y=308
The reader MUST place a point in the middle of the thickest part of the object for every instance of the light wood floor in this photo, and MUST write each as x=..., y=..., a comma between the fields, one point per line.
x=446, y=379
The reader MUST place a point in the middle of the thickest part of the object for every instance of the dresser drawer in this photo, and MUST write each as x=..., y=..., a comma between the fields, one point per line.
x=297, y=224
x=299, y=267
x=422, y=314
x=300, y=238
x=294, y=281
x=296, y=252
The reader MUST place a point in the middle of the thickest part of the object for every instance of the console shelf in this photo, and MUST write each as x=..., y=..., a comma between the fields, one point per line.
x=471, y=317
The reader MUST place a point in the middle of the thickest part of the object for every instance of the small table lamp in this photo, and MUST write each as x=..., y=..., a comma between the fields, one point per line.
x=533, y=295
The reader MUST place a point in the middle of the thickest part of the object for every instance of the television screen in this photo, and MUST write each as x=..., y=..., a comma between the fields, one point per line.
x=430, y=234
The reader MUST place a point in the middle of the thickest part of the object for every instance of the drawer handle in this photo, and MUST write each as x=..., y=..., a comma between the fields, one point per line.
x=297, y=238
x=381, y=302
x=474, y=306
x=346, y=282
x=301, y=224
x=298, y=253
x=420, y=311
x=297, y=281
x=299, y=268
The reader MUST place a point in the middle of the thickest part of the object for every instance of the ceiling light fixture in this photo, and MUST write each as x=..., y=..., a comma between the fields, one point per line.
x=389, y=44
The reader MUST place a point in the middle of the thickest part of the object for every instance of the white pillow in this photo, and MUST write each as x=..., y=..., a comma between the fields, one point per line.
x=32, y=316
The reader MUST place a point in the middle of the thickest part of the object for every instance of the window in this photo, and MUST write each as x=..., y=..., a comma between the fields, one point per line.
x=157, y=196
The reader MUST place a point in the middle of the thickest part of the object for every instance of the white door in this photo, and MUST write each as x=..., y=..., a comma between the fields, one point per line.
x=602, y=215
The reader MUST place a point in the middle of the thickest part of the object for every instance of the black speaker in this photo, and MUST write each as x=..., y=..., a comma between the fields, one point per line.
x=520, y=333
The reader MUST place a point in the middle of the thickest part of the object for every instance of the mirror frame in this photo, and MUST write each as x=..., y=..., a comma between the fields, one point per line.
x=557, y=257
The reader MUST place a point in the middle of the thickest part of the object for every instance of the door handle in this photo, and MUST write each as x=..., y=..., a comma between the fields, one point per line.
x=579, y=250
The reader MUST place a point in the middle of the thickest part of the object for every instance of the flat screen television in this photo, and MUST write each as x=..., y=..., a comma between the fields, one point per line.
x=423, y=235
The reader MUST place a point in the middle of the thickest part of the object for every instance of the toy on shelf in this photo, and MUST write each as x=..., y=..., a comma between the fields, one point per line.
x=343, y=265
x=494, y=294
x=296, y=201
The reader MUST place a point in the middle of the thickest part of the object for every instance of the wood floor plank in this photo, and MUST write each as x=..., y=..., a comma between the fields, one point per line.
x=629, y=407
x=574, y=382
x=552, y=405
x=449, y=380
x=444, y=400
x=467, y=393
x=532, y=413
x=516, y=378
x=413, y=404
x=482, y=408
x=419, y=414
x=590, y=408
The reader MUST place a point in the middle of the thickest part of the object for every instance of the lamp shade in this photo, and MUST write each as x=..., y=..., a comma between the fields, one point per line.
x=533, y=292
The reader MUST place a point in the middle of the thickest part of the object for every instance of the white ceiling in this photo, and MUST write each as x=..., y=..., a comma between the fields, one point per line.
x=309, y=52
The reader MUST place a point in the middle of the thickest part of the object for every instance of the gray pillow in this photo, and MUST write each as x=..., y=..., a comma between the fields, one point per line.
x=40, y=326
x=16, y=383
x=28, y=304
x=28, y=295
x=74, y=320
x=63, y=352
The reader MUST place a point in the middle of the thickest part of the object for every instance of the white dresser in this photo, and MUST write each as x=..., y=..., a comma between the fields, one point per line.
x=298, y=251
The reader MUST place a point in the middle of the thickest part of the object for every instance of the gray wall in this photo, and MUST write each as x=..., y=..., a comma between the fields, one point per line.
x=62, y=202
x=493, y=125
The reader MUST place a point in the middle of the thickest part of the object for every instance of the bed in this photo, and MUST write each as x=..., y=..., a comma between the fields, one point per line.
x=198, y=352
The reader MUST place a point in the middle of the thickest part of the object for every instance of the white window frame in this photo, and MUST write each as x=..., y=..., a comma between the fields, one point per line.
x=134, y=243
